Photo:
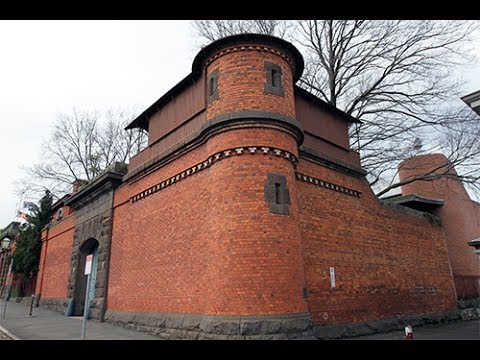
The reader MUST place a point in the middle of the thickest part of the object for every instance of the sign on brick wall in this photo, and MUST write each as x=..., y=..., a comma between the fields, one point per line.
x=332, y=277
x=88, y=264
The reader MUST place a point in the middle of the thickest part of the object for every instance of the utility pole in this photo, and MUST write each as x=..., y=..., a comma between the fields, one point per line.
x=86, y=308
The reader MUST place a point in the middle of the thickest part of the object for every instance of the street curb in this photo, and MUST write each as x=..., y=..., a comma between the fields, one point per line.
x=8, y=333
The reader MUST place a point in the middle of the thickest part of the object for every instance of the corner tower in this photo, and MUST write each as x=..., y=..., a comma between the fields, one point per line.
x=250, y=109
x=217, y=185
x=251, y=76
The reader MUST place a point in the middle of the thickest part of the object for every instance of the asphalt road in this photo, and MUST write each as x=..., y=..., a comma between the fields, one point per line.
x=460, y=330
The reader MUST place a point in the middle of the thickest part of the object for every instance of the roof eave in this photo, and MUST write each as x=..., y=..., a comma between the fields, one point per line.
x=142, y=120
x=413, y=198
x=348, y=118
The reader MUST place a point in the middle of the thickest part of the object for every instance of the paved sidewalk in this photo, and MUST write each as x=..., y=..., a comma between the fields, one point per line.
x=458, y=330
x=50, y=325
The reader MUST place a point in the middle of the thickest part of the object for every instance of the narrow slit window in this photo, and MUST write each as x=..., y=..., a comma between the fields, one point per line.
x=273, y=80
x=278, y=193
x=211, y=86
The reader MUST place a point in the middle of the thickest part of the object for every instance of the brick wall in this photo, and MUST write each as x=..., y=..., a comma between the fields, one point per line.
x=387, y=263
x=55, y=260
x=234, y=257
x=209, y=243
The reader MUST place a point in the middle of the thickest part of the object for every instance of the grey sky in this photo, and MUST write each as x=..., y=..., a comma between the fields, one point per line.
x=48, y=67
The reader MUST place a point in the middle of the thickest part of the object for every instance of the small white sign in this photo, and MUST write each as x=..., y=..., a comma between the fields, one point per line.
x=88, y=264
x=332, y=277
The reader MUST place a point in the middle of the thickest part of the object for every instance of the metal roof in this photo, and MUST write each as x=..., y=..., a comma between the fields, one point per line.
x=473, y=100
x=141, y=121
x=415, y=201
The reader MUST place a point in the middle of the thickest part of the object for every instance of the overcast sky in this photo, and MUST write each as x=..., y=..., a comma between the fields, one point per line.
x=48, y=67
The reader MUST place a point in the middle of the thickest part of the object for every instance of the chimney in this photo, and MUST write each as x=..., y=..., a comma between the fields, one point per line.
x=77, y=184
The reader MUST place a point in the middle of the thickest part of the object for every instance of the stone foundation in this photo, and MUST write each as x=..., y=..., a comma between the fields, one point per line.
x=267, y=327
x=23, y=300
x=59, y=305
x=220, y=327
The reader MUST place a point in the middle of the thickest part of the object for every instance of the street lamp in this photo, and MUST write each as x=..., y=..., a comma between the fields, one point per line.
x=6, y=244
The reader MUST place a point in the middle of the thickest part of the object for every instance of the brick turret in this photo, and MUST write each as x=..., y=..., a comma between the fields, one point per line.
x=249, y=84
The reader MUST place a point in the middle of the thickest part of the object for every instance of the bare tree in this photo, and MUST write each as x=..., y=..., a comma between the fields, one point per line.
x=115, y=143
x=460, y=143
x=81, y=145
x=396, y=76
x=210, y=30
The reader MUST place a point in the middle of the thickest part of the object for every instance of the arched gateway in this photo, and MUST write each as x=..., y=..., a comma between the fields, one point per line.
x=89, y=247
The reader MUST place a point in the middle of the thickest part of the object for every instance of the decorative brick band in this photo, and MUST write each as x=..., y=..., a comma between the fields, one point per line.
x=327, y=185
x=250, y=48
x=244, y=150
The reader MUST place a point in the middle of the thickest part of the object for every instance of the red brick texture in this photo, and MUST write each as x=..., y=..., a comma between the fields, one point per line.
x=387, y=263
x=241, y=84
x=460, y=215
x=55, y=259
x=210, y=243
x=234, y=256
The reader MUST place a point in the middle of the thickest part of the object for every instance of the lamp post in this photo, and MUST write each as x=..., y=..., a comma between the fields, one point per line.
x=2, y=267
x=5, y=244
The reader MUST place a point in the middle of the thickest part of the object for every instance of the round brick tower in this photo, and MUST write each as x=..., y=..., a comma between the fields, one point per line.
x=251, y=112
x=458, y=213
x=423, y=164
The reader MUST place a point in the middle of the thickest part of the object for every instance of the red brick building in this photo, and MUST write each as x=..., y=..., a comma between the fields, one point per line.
x=446, y=198
x=246, y=216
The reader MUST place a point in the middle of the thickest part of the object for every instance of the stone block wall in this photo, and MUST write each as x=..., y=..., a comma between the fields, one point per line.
x=93, y=221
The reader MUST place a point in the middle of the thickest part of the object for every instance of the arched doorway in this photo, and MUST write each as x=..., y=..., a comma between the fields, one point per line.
x=90, y=246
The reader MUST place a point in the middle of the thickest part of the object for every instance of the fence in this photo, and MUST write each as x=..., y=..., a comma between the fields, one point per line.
x=468, y=287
